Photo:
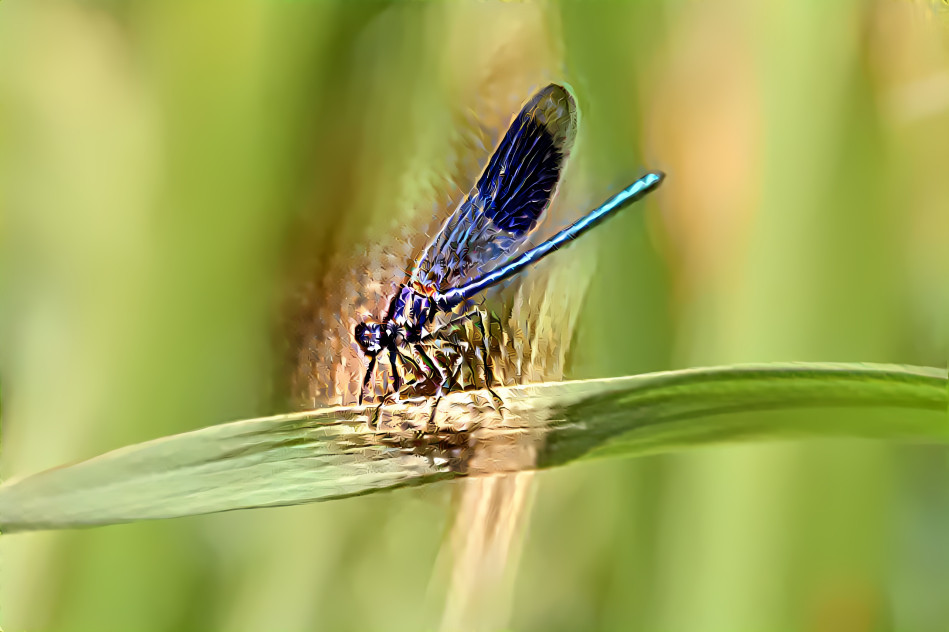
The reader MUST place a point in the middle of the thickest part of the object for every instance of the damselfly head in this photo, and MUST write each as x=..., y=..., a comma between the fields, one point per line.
x=371, y=336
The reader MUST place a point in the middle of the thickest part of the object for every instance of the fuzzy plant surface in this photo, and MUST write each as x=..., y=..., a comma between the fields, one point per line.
x=337, y=452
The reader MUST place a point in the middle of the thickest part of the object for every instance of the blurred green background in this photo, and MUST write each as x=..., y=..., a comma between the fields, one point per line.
x=171, y=171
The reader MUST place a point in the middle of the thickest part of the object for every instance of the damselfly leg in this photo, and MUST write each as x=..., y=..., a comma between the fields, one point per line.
x=442, y=355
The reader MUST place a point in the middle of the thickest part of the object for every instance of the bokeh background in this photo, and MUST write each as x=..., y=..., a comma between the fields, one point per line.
x=171, y=172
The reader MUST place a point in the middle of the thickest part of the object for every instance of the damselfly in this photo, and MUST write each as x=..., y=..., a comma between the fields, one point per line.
x=474, y=249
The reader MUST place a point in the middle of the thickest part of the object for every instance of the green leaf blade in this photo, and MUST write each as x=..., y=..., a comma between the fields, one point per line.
x=333, y=453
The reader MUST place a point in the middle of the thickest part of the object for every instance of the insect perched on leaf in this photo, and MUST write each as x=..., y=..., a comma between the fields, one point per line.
x=474, y=249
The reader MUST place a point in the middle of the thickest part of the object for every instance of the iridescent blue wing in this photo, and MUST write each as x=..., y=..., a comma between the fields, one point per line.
x=509, y=198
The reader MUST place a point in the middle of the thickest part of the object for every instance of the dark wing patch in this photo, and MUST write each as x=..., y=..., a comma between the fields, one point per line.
x=510, y=196
x=520, y=179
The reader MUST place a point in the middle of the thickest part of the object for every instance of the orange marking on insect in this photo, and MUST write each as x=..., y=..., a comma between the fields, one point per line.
x=424, y=289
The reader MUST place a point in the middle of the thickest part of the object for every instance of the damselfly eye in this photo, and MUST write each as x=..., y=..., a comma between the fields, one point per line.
x=369, y=336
